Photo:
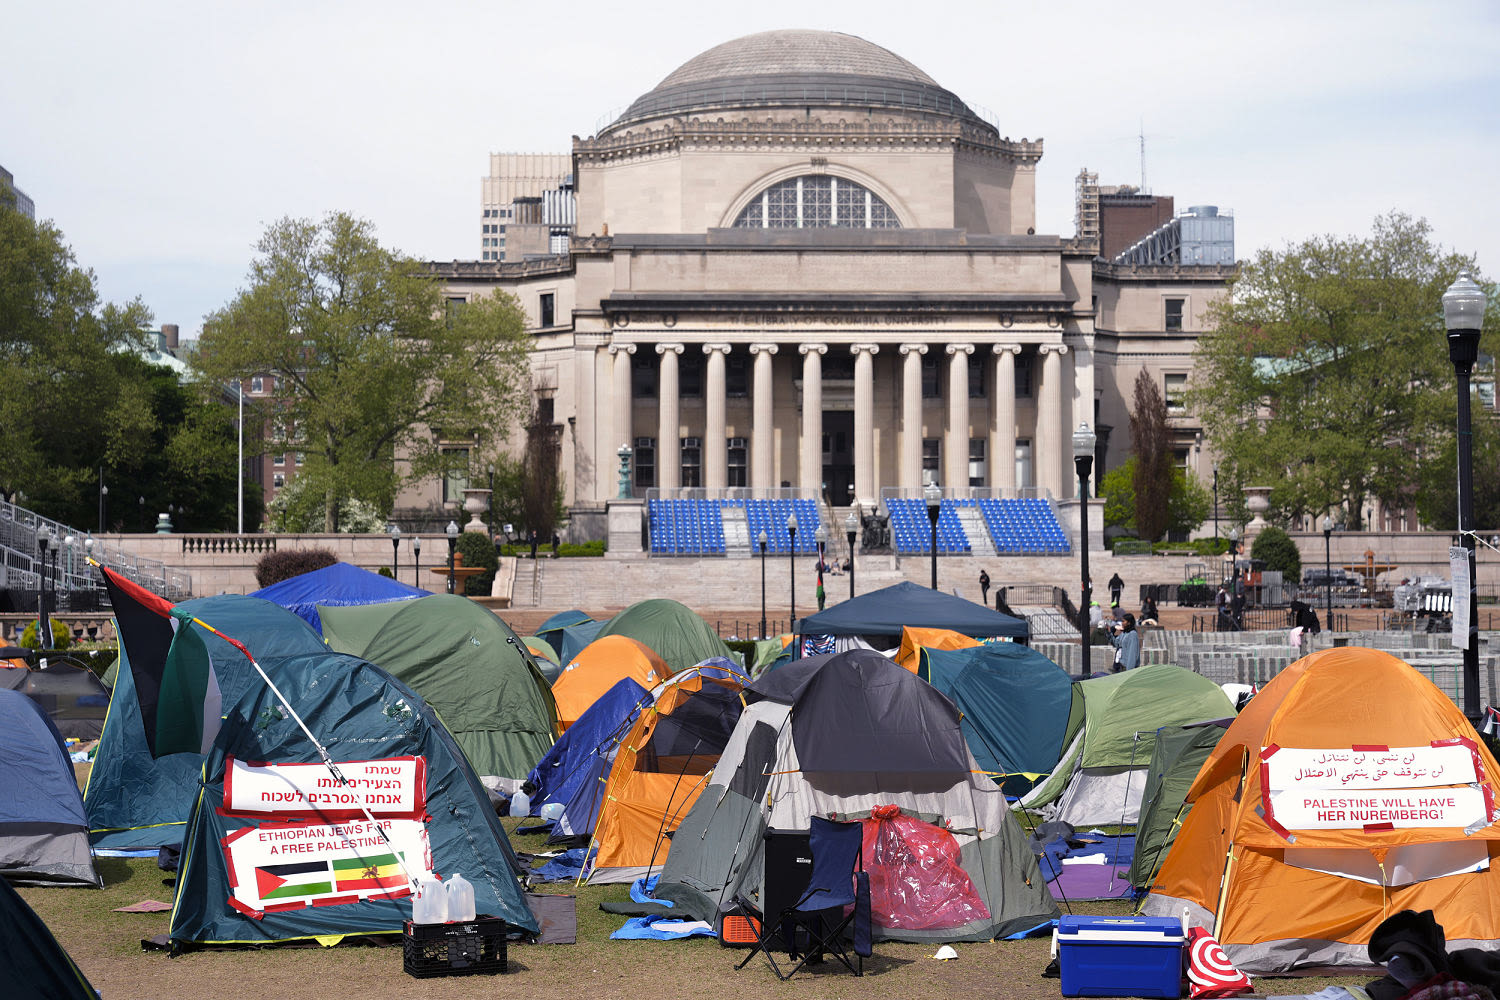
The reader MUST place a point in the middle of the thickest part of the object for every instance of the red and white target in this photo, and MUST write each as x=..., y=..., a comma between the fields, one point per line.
x=1210, y=972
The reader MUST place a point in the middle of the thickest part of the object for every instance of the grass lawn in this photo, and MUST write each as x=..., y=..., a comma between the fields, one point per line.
x=106, y=946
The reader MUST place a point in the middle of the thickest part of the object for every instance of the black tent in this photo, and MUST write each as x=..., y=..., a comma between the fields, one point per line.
x=887, y=611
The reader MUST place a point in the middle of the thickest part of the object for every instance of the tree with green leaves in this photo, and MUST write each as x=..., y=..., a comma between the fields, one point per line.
x=1188, y=501
x=1276, y=549
x=1325, y=372
x=376, y=368
x=1151, y=442
x=66, y=406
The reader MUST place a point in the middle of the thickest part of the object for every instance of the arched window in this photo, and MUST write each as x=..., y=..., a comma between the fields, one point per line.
x=819, y=201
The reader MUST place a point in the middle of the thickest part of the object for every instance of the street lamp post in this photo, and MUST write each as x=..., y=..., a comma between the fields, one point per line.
x=791, y=554
x=1328, y=571
x=103, y=499
x=395, y=551
x=1216, y=506
x=489, y=512
x=1084, y=440
x=44, y=617
x=851, y=528
x=416, y=560
x=762, y=540
x=452, y=532
x=934, y=498
x=1463, y=315
x=1237, y=599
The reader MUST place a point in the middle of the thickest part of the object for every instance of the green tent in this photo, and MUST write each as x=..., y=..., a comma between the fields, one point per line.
x=672, y=631
x=1102, y=773
x=1177, y=754
x=467, y=664
x=277, y=850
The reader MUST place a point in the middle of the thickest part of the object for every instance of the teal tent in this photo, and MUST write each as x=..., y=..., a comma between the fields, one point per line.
x=133, y=800
x=1015, y=705
x=671, y=630
x=35, y=964
x=276, y=850
x=551, y=630
x=574, y=638
x=468, y=665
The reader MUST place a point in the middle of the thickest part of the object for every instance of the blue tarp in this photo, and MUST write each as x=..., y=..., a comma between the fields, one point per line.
x=573, y=771
x=338, y=585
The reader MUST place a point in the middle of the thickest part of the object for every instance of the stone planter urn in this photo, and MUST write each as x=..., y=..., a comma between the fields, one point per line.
x=1258, y=499
x=476, y=502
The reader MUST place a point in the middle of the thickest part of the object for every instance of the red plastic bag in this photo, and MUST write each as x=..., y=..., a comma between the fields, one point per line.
x=916, y=881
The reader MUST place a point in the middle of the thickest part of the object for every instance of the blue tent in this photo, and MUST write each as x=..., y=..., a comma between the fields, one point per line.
x=574, y=638
x=134, y=800
x=43, y=831
x=282, y=852
x=338, y=585
x=551, y=630
x=574, y=770
x=1015, y=705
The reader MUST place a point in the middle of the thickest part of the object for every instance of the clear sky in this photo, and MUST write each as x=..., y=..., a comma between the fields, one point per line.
x=162, y=137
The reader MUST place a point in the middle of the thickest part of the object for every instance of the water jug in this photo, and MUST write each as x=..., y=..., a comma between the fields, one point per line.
x=460, y=899
x=430, y=904
x=520, y=804
x=552, y=810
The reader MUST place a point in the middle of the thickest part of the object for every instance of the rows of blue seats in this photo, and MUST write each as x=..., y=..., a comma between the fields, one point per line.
x=911, y=529
x=686, y=527
x=1023, y=525
x=770, y=516
x=696, y=527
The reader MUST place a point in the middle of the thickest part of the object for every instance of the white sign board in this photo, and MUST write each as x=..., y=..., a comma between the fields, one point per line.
x=287, y=866
x=395, y=786
x=1458, y=567
x=1364, y=787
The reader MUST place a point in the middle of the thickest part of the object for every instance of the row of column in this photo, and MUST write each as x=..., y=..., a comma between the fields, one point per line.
x=1049, y=446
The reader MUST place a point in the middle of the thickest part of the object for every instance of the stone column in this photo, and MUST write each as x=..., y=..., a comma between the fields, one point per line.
x=864, y=422
x=669, y=429
x=762, y=442
x=812, y=417
x=1003, y=419
x=623, y=431
x=603, y=444
x=1053, y=444
x=956, y=468
x=909, y=476
x=585, y=399
x=1083, y=382
x=715, y=441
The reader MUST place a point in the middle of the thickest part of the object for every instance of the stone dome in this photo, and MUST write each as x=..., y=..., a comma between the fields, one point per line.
x=792, y=68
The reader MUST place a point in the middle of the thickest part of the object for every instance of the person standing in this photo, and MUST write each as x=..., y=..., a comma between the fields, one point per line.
x=1116, y=586
x=984, y=588
x=1127, y=643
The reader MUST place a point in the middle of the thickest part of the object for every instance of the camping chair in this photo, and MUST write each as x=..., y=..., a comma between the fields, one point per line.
x=816, y=923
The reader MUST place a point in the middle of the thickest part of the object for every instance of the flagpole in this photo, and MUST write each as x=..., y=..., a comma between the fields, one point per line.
x=328, y=761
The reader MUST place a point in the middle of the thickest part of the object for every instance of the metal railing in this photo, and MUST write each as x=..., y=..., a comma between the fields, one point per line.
x=67, y=571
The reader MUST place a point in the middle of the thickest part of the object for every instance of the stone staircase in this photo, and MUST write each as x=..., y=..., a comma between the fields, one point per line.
x=980, y=542
x=737, y=541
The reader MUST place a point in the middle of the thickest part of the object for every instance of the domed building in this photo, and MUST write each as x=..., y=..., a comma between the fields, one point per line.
x=799, y=262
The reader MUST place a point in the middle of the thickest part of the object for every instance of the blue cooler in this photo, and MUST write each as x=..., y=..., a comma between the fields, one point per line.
x=1120, y=956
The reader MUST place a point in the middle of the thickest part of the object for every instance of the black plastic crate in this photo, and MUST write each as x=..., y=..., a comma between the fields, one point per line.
x=469, y=948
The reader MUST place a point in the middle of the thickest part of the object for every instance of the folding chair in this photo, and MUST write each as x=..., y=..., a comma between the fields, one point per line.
x=815, y=925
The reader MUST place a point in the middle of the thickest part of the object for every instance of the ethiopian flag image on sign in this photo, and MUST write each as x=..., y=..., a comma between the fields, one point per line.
x=286, y=866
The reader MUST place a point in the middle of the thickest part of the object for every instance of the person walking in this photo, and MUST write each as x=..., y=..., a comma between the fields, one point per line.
x=984, y=588
x=1127, y=643
x=1116, y=586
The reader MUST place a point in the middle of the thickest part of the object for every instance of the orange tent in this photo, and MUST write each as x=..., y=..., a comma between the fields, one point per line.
x=914, y=640
x=659, y=770
x=598, y=667
x=1348, y=789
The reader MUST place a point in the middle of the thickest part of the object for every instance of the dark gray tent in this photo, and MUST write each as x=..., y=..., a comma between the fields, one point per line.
x=853, y=736
x=886, y=611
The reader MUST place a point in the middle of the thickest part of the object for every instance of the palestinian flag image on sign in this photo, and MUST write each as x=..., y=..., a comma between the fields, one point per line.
x=287, y=866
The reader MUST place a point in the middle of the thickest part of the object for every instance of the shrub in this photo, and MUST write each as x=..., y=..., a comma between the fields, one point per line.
x=385, y=571
x=274, y=567
x=62, y=636
x=478, y=551
x=1277, y=550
